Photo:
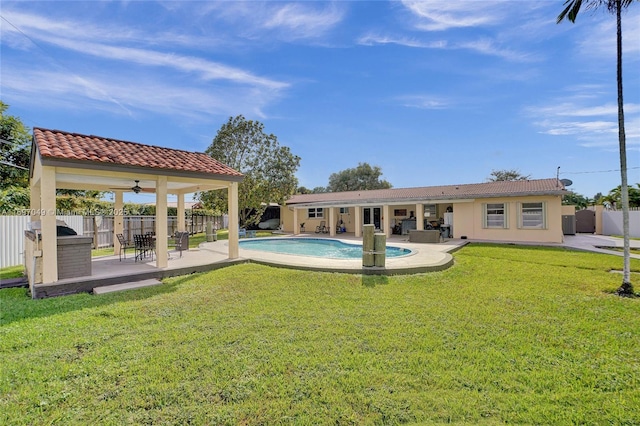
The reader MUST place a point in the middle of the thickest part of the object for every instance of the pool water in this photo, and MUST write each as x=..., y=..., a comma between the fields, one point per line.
x=319, y=247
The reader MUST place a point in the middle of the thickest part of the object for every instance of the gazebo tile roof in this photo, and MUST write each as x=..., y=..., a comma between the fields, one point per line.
x=73, y=146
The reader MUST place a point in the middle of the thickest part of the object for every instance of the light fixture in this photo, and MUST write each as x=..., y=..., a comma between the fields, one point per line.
x=137, y=188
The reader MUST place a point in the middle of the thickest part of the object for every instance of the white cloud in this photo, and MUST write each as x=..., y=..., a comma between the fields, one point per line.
x=133, y=94
x=43, y=31
x=373, y=39
x=120, y=80
x=482, y=46
x=598, y=39
x=424, y=102
x=207, y=70
x=592, y=125
x=488, y=47
x=302, y=21
x=437, y=15
x=283, y=21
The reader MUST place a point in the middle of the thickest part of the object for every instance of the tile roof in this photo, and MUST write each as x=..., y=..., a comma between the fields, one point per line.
x=61, y=145
x=448, y=192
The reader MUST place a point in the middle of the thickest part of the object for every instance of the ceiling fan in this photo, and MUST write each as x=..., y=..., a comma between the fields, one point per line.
x=136, y=188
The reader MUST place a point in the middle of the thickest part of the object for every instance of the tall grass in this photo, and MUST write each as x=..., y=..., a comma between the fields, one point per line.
x=507, y=335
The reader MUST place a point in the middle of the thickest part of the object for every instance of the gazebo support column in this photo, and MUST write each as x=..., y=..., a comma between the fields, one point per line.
x=118, y=220
x=48, y=223
x=233, y=220
x=180, y=213
x=161, y=222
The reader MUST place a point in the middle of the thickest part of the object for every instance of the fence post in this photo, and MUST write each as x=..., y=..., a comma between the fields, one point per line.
x=95, y=232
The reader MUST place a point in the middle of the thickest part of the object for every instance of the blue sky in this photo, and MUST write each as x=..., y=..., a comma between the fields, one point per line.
x=433, y=92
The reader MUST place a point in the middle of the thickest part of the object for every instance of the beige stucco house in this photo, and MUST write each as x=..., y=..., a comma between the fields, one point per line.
x=519, y=211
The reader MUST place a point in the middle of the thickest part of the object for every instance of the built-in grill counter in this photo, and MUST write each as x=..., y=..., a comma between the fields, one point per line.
x=74, y=254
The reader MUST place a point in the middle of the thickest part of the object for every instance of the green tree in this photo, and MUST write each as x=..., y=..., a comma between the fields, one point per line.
x=13, y=199
x=597, y=198
x=506, y=175
x=615, y=196
x=268, y=168
x=363, y=177
x=15, y=151
x=571, y=10
x=574, y=199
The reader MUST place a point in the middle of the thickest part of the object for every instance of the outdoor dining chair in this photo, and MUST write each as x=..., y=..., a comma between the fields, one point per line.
x=181, y=242
x=144, y=246
x=124, y=245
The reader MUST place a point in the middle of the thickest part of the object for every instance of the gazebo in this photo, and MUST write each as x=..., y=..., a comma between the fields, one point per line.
x=63, y=160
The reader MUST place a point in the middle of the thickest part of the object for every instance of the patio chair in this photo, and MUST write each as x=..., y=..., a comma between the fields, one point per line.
x=181, y=242
x=144, y=246
x=322, y=228
x=242, y=232
x=124, y=245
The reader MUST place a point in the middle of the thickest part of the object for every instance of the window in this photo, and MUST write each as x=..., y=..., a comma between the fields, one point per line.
x=495, y=215
x=316, y=213
x=400, y=212
x=532, y=216
x=430, y=211
x=344, y=210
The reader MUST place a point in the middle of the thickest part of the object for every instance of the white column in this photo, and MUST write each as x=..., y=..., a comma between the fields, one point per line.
x=180, y=213
x=357, y=217
x=162, y=254
x=296, y=229
x=386, y=220
x=233, y=220
x=48, y=222
x=118, y=219
x=420, y=217
x=332, y=221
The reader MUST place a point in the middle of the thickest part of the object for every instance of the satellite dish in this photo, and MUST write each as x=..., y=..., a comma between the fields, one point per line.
x=566, y=182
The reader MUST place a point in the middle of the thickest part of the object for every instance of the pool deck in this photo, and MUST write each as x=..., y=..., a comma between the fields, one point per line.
x=424, y=257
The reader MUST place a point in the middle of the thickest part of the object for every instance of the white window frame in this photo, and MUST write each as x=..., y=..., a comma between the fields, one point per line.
x=532, y=215
x=344, y=210
x=432, y=210
x=490, y=207
x=315, y=213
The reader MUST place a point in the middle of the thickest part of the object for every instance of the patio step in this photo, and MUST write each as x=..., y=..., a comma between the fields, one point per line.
x=125, y=286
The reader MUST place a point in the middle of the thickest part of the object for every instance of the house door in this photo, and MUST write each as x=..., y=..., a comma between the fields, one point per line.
x=371, y=216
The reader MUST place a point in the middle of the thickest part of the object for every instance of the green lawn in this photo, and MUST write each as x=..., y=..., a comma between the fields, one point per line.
x=507, y=335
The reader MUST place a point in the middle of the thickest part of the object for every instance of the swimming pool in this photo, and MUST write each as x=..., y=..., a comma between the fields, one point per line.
x=319, y=247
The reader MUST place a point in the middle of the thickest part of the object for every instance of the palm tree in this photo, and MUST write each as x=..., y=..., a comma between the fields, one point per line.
x=614, y=6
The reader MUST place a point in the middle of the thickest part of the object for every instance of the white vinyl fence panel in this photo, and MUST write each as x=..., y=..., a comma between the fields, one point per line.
x=12, y=236
x=612, y=223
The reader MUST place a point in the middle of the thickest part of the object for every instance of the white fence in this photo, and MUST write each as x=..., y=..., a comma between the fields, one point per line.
x=612, y=223
x=12, y=231
x=12, y=240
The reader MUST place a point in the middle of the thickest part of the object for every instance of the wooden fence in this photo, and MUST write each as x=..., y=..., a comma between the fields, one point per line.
x=101, y=227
